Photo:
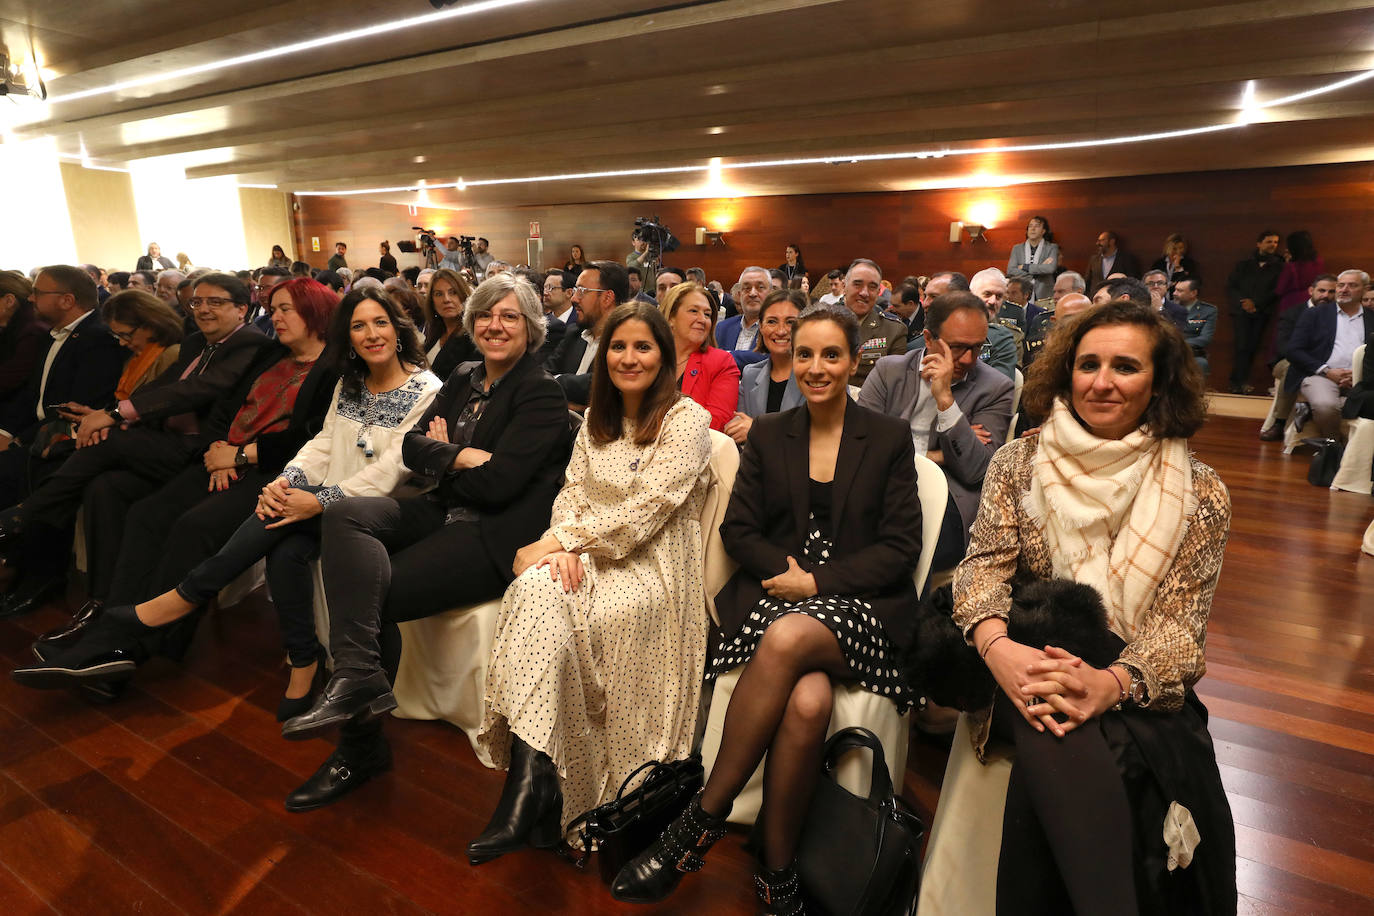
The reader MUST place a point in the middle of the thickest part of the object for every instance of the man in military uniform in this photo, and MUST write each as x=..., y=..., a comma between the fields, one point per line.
x=879, y=335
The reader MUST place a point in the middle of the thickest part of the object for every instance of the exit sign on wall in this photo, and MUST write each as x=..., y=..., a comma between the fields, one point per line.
x=534, y=229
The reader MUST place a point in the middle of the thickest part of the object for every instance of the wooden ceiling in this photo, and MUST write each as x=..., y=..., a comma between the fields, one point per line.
x=555, y=86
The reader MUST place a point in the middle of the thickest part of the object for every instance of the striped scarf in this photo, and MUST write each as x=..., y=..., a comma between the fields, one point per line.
x=1113, y=511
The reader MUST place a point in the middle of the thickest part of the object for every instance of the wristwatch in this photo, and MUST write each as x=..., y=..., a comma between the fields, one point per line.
x=1136, y=691
x=240, y=459
x=115, y=414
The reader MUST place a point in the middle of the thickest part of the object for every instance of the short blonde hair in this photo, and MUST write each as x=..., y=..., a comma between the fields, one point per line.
x=673, y=298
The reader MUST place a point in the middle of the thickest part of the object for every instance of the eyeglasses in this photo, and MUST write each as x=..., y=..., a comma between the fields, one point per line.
x=212, y=302
x=507, y=319
x=959, y=351
x=48, y=292
x=583, y=290
x=123, y=336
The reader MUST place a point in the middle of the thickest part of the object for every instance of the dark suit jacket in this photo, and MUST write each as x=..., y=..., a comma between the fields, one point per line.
x=307, y=416
x=458, y=349
x=525, y=427
x=1360, y=403
x=23, y=342
x=553, y=336
x=169, y=395
x=145, y=262
x=1288, y=320
x=85, y=370
x=875, y=516
x=1312, y=340
x=567, y=356
x=1176, y=314
x=1125, y=263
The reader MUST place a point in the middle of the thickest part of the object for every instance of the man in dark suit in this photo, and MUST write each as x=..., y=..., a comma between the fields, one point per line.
x=600, y=288
x=81, y=364
x=153, y=260
x=959, y=408
x=1156, y=287
x=1110, y=259
x=741, y=332
x=1250, y=290
x=1322, y=291
x=1321, y=351
x=144, y=440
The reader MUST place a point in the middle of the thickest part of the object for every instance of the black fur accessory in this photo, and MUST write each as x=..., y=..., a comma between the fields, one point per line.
x=1044, y=612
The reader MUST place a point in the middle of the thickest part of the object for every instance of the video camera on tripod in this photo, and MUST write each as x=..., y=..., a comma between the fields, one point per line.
x=659, y=238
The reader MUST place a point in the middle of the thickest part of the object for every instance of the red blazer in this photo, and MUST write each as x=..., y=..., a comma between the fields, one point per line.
x=712, y=380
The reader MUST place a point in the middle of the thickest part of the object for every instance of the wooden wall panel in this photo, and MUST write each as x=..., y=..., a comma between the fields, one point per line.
x=907, y=232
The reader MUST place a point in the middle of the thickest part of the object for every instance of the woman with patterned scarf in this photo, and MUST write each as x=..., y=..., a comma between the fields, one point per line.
x=1115, y=780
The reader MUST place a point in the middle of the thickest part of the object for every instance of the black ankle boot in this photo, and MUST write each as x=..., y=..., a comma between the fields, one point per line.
x=779, y=891
x=530, y=811
x=653, y=874
x=108, y=648
x=351, y=765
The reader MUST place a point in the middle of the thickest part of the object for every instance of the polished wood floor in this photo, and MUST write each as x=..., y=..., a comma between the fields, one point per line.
x=170, y=801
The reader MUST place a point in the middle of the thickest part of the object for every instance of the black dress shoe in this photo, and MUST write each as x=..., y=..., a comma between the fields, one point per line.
x=290, y=707
x=28, y=597
x=344, y=771
x=350, y=693
x=1273, y=432
x=107, y=649
x=67, y=634
x=530, y=811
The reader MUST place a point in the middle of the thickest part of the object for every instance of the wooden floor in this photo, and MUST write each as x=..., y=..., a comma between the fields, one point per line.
x=171, y=800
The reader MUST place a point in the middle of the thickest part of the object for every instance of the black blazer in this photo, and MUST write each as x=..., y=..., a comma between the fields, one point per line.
x=22, y=343
x=307, y=417
x=458, y=349
x=146, y=262
x=568, y=354
x=525, y=427
x=1312, y=340
x=85, y=370
x=875, y=516
x=170, y=395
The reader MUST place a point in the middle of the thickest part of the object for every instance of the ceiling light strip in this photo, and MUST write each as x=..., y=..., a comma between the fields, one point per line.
x=470, y=9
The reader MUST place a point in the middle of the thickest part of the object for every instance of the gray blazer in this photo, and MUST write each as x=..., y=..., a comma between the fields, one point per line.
x=1042, y=272
x=753, y=390
x=984, y=396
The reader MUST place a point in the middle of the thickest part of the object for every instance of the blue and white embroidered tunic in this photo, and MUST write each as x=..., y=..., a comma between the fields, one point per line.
x=358, y=452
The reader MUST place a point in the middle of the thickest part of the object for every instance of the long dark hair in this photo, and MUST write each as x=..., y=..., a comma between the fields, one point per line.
x=352, y=370
x=606, y=412
x=1301, y=246
x=794, y=296
x=1178, y=405
x=435, y=327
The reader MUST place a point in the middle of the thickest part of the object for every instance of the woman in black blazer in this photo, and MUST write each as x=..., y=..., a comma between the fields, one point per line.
x=494, y=444
x=825, y=522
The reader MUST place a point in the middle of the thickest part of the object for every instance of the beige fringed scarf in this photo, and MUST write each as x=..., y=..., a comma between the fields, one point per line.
x=1113, y=511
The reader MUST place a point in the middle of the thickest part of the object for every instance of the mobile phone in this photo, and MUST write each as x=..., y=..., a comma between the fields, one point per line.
x=55, y=407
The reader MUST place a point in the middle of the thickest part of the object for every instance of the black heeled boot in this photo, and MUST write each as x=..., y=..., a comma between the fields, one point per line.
x=108, y=648
x=530, y=810
x=654, y=873
x=779, y=891
x=290, y=707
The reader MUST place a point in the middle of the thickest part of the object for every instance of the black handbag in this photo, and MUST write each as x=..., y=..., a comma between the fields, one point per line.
x=859, y=856
x=1326, y=462
x=624, y=827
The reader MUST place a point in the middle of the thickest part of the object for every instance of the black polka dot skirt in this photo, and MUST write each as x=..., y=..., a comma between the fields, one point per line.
x=860, y=635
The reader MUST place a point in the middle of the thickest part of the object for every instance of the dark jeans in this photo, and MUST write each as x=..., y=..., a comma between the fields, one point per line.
x=1067, y=829
x=385, y=561
x=289, y=551
x=167, y=534
x=1249, y=331
x=953, y=540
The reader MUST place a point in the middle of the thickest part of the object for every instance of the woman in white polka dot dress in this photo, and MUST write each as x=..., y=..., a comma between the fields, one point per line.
x=601, y=643
x=825, y=523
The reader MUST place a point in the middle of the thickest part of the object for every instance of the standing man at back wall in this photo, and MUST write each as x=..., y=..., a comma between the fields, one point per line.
x=1110, y=258
x=1250, y=291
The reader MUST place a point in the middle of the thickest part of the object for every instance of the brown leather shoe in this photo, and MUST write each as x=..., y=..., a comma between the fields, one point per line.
x=1273, y=432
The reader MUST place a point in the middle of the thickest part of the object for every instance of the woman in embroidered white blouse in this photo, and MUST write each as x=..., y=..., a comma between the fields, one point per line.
x=384, y=388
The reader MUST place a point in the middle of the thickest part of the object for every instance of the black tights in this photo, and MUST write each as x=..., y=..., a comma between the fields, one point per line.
x=1066, y=833
x=781, y=706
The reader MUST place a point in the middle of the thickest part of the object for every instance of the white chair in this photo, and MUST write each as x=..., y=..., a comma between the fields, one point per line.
x=444, y=657
x=1016, y=394
x=959, y=876
x=1368, y=544
x=853, y=705
x=1292, y=437
x=1354, y=474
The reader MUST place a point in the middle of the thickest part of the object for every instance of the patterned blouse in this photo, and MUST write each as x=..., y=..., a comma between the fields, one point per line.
x=270, y=402
x=1007, y=547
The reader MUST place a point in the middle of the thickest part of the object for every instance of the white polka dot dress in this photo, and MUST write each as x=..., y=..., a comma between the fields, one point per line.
x=860, y=634
x=608, y=677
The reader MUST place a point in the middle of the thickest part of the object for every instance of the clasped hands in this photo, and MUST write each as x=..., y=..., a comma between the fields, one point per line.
x=565, y=567
x=1043, y=683
x=287, y=504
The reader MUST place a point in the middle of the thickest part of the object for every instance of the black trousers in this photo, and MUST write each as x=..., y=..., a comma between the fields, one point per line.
x=289, y=551
x=169, y=533
x=1067, y=831
x=385, y=561
x=1249, y=331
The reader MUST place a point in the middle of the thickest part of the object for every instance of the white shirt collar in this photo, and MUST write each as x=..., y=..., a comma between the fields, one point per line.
x=65, y=332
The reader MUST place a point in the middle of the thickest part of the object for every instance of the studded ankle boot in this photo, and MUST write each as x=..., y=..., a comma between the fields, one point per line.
x=779, y=891
x=653, y=874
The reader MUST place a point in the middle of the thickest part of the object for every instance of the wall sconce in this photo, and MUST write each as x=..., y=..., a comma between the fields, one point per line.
x=705, y=235
x=975, y=232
